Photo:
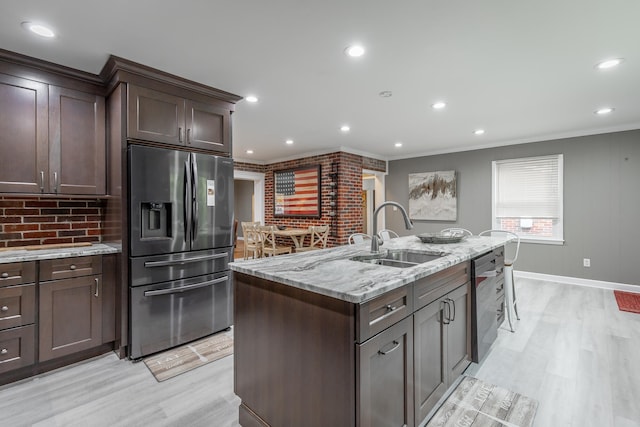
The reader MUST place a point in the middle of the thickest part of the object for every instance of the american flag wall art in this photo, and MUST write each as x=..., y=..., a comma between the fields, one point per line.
x=297, y=192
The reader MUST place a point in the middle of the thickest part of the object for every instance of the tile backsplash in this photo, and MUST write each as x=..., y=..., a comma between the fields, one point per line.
x=40, y=221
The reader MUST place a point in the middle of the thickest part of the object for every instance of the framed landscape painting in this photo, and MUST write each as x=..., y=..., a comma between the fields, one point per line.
x=433, y=196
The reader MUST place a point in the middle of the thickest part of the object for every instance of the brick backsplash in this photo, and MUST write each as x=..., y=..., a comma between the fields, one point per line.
x=40, y=221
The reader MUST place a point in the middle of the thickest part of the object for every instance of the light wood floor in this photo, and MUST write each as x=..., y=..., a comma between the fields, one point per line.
x=573, y=351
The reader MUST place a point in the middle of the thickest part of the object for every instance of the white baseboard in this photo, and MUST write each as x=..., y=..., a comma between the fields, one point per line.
x=577, y=281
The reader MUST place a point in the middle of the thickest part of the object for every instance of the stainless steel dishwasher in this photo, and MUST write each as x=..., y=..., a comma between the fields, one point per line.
x=488, y=279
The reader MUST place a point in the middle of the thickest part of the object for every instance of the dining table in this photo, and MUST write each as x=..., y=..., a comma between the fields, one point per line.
x=296, y=234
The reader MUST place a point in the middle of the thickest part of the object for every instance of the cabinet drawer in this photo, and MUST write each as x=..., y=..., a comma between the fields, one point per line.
x=17, y=273
x=65, y=268
x=433, y=287
x=17, y=306
x=17, y=348
x=379, y=313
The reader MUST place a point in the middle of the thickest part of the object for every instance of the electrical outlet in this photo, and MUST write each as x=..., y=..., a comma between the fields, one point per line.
x=586, y=262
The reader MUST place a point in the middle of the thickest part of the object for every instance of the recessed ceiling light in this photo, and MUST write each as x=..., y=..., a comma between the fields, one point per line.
x=398, y=144
x=603, y=111
x=39, y=29
x=354, y=51
x=385, y=94
x=438, y=105
x=609, y=63
x=345, y=128
x=478, y=131
x=252, y=98
x=249, y=151
x=289, y=141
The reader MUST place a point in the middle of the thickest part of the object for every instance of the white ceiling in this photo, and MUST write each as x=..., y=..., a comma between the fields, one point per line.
x=521, y=70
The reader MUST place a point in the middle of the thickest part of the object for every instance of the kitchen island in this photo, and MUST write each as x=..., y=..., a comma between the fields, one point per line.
x=322, y=340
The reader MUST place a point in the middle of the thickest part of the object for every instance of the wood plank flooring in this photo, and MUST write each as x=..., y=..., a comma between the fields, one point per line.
x=573, y=351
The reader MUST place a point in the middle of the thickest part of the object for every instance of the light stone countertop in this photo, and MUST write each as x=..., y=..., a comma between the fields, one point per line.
x=41, y=254
x=330, y=272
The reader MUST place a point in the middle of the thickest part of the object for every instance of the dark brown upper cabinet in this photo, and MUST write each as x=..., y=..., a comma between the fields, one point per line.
x=24, y=165
x=76, y=142
x=52, y=129
x=160, y=117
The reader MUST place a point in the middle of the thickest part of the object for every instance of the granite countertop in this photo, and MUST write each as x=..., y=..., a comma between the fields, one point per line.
x=40, y=254
x=330, y=272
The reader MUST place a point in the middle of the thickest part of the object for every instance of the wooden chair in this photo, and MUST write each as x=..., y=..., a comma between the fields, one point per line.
x=319, y=236
x=358, y=238
x=387, y=234
x=252, y=239
x=456, y=231
x=269, y=246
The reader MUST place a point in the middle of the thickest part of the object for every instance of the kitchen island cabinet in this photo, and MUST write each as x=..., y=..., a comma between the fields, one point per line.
x=324, y=340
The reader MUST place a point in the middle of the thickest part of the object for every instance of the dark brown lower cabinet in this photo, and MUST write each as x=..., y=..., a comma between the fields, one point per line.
x=385, y=378
x=301, y=358
x=17, y=348
x=70, y=316
x=442, y=347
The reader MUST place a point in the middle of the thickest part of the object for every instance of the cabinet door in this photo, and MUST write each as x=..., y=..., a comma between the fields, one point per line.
x=23, y=135
x=429, y=357
x=208, y=126
x=458, y=335
x=385, y=378
x=70, y=316
x=76, y=142
x=155, y=116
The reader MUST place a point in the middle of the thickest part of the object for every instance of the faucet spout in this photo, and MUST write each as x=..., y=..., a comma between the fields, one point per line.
x=375, y=240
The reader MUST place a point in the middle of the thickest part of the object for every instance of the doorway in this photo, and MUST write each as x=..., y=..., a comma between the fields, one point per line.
x=372, y=196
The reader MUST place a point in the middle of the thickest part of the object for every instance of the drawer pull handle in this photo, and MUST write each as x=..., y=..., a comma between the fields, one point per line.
x=4, y=275
x=72, y=267
x=97, y=293
x=396, y=344
x=4, y=351
x=4, y=308
x=391, y=308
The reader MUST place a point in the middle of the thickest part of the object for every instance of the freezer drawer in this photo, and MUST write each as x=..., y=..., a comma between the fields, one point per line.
x=164, y=268
x=168, y=314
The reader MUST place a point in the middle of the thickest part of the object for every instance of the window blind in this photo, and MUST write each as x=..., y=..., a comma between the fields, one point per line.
x=528, y=187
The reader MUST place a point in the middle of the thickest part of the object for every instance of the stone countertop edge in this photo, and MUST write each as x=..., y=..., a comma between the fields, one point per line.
x=23, y=255
x=330, y=272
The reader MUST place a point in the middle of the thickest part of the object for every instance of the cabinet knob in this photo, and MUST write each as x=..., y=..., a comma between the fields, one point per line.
x=391, y=307
x=72, y=267
x=4, y=275
x=4, y=351
x=4, y=308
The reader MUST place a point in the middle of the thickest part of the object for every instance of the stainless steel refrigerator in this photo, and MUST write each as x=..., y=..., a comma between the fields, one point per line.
x=180, y=244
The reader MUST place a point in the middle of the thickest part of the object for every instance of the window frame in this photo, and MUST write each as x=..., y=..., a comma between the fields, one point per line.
x=558, y=230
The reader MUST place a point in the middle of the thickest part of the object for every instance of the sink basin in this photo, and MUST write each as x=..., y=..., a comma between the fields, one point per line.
x=401, y=258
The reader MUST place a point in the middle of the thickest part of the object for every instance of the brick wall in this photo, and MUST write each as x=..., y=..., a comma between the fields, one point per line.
x=349, y=217
x=40, y=221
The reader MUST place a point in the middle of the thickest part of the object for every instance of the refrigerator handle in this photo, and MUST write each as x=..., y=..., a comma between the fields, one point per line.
x=194, y=195
x=186, y=199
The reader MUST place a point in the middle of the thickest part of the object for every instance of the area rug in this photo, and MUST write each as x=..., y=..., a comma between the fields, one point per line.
x=628, y=301
x=475, y=403
x=182, y=359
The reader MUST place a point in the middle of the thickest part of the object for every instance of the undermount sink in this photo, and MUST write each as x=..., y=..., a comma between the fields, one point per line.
x=401, y=258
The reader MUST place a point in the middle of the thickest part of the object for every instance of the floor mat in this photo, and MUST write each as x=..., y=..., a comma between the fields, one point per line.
x=628, y=301
x=182, y=359
x=475, y=403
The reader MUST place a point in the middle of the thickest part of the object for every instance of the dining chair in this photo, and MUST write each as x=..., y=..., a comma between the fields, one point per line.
x=510, y=258
x=252, y=239
x=319, y=235
x=269, y=245
x=456, y=231
x=387, y=234
x=358, y=238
